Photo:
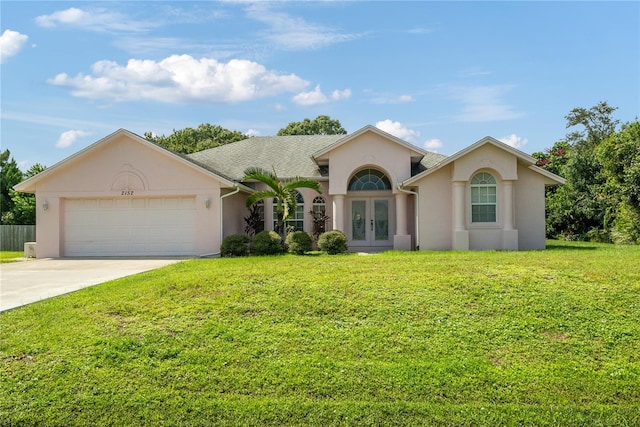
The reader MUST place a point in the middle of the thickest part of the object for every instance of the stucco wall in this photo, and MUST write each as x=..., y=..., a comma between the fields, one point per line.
x=411, y=219
x=527, y=207
x=485, y=236
x=530, y=209
x=110, y=168
x=436, y=210
x=503, y=166
x=486, y=157
x=235, y=211
x=368, y=149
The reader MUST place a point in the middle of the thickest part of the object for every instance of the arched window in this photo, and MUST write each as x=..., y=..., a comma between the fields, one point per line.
x=319, y=211
x=483, y=198
x=369, y=180
x=297, y=218
x=319, y=206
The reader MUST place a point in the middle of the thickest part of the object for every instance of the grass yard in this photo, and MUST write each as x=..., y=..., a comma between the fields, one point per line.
x=437, y=338
x=11, y=256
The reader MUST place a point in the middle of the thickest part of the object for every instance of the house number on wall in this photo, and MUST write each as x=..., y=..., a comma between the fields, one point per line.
x=127, y=193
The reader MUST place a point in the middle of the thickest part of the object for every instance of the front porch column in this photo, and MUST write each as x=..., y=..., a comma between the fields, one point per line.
x=508, y=205
x=401, y=213
x=460, y=232
x=338, y=212
x=401, y=240
x=509, y=234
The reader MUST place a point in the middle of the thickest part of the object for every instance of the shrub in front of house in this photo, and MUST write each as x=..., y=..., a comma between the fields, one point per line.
x=235, y=245
x=267, y=243
x=333, y=242
x=299, y=242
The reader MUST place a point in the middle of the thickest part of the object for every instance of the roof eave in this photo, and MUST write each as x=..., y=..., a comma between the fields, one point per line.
x=29, y=185
x=550, y=177
x=529, y=161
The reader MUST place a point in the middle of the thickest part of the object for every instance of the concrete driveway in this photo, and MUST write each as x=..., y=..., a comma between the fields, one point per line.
x=29, y=281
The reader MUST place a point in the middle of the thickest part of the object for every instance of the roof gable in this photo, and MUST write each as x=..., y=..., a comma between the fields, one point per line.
x=416, y=152
x=30, y=184
x=529, y=161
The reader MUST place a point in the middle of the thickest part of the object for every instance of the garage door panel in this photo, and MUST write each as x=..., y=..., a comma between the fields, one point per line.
x=170, y=202
x=105, y=203
x=130, y=227
x=138, y=203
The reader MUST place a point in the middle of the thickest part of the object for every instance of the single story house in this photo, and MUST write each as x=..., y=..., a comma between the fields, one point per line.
x=126, y=196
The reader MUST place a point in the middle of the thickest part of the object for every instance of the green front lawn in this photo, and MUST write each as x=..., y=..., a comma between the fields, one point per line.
x=11, y=256
x=438, y=338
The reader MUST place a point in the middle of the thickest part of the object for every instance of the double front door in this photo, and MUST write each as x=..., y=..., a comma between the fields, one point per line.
x=371, y=222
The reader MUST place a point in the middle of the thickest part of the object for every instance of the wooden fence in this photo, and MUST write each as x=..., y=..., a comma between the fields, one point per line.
x=13, y=237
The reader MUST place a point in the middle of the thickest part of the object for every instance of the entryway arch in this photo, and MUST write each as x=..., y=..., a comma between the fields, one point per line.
x=371, y=210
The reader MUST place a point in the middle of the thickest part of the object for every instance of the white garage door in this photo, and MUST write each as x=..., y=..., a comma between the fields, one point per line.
x=129, y=226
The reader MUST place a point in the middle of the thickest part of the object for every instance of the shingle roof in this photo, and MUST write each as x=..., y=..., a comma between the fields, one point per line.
x=431, y=159
x=290, y=156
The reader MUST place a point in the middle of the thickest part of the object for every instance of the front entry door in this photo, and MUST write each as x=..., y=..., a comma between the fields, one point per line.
x=370, y=222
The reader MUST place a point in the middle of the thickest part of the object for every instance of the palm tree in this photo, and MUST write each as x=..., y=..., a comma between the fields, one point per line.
x=283, y=193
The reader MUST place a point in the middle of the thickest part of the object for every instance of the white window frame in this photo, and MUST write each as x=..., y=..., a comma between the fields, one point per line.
x=297, y=220
x=369, y=179
x=319, y=205
x=488, y=184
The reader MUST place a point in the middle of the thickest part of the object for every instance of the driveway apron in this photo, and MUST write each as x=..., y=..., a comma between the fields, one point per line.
x=29, y=281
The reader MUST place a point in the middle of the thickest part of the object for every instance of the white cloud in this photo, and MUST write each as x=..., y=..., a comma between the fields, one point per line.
x=399, y=130
x=69, y=137
x=11, y=42
x=484, y=103
x=180, y=78
x=316, y=96
x=337, y=95
x=433, y=144
x=154, y=46
x=313, y=97
x=294, y=33
x=72, y=15
x=95, y=20
x=383, y=98
x=514, y=140
x=252, y=132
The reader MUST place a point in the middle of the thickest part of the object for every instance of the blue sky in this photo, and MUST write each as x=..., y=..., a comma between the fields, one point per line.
x=440, y=75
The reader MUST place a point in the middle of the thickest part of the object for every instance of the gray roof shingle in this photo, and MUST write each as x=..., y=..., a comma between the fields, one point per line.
x=290, y=156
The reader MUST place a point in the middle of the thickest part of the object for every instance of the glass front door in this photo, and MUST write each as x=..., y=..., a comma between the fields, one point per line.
x=370, y=222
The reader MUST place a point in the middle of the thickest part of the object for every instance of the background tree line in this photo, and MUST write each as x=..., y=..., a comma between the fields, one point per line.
x=599, y=158
x=601, y=163
x=16, y=208
x=205, y=136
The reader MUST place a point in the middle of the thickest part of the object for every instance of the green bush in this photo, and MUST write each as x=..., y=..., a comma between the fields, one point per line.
x=626, y=227
x=333, y=242
x=235, y=245
x=299, y=242
x=598, y=236
x=267, y=243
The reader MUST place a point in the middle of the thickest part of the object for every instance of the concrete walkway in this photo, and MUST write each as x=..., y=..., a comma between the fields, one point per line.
x=29, y=281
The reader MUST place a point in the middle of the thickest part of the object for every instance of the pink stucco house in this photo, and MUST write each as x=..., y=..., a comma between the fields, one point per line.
x=125, y=196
